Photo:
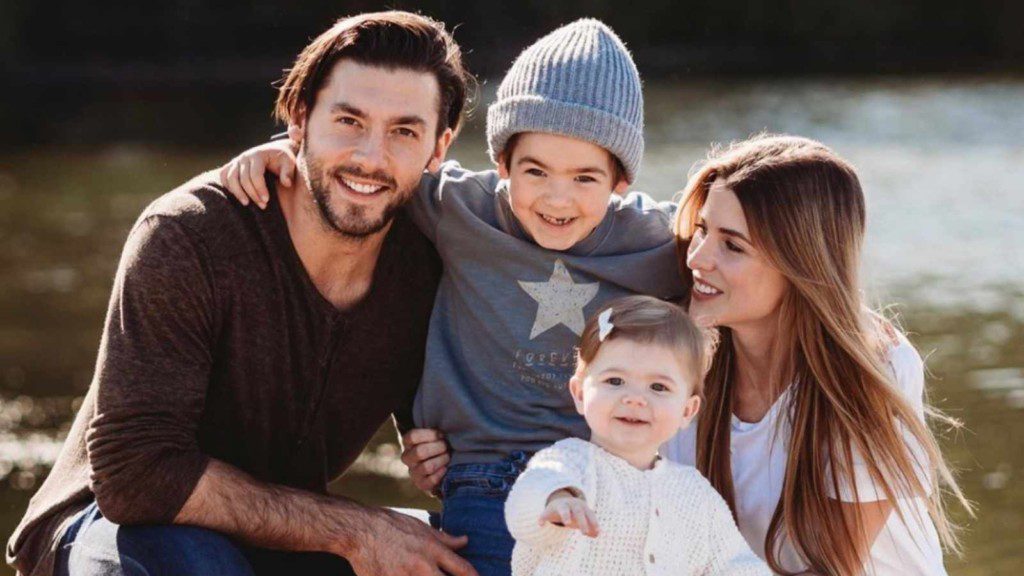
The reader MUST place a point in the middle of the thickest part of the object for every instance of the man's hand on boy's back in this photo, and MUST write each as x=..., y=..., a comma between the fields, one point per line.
x=244, y=175
x=425, y=453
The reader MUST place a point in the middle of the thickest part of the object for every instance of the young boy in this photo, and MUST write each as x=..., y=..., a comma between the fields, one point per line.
x=529, y=252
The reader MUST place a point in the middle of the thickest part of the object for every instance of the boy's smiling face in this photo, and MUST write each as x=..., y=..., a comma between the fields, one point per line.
x=559, y=187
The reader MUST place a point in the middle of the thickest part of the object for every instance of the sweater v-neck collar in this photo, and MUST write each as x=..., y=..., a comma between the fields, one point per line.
x=281, y=234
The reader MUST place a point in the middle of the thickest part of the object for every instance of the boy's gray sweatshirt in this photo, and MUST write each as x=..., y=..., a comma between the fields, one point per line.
x=509, y=313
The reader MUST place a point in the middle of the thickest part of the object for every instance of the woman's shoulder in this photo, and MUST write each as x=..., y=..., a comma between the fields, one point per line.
x=899, y=355
x=907, y=367
x=902, y=352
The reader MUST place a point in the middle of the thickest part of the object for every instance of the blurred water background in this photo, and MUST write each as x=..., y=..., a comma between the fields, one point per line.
x=942, y=163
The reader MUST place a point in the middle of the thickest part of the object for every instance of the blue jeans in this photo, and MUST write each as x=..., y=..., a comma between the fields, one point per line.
x=93, y=546
x=473, y=504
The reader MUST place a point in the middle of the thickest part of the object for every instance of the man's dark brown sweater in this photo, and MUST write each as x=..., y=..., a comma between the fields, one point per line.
x=218, y=345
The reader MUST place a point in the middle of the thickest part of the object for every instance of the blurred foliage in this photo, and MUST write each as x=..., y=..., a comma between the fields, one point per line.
x=839, y=32
x=163, y=71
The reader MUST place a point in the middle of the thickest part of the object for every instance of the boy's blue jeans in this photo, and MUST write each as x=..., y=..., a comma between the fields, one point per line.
x=473, y=504
x=93, y=546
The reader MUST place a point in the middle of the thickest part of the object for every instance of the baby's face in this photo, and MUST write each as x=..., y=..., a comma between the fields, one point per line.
x=559, y=187
x=635, y=397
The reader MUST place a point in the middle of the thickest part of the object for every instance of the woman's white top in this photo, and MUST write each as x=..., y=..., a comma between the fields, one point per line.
x=758, y=470
x=667, y=520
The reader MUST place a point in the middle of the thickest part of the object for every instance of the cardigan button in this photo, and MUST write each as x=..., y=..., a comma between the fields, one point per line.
x=651, y=558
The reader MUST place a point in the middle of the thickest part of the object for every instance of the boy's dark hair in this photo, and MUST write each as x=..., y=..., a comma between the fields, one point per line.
x=393, y=39
x=618, y=170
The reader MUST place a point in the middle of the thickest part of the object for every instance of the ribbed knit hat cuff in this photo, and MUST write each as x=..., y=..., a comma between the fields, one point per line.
x=531, y=113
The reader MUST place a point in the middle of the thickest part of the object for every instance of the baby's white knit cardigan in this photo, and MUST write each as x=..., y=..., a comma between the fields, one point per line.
x=667, y=520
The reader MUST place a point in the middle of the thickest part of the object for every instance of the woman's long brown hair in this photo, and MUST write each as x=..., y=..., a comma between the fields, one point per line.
x=805, y=211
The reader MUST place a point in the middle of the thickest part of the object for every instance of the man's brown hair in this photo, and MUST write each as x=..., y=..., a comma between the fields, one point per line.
x=393, y=39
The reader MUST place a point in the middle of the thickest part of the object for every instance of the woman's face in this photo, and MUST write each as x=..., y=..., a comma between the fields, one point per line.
x=734, y=285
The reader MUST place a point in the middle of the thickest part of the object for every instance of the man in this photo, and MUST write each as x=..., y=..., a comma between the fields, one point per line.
x=248, y=356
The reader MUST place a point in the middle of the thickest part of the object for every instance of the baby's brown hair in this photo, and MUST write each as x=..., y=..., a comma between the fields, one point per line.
x=647, y=320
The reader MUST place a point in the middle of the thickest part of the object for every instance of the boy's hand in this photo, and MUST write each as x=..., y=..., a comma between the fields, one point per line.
x=243, y=176
x=425, y=453
x=567, y=509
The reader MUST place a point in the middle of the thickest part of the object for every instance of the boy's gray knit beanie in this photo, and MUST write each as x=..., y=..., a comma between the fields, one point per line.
x=578, y=81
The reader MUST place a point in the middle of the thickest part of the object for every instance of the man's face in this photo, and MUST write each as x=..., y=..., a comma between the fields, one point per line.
x=366, y=142
x=559, y=187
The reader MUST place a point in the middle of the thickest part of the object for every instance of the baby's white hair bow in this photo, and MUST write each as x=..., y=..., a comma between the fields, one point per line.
x=604, y=324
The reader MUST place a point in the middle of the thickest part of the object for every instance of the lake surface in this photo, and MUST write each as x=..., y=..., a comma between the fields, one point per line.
x=942, y=163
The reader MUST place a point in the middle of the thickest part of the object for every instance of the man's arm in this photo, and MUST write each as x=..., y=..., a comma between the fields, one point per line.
x=151, y=385
x=151, y=376
x=373, y=540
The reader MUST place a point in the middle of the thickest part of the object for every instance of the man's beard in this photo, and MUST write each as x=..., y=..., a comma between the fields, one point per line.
x=353, y=222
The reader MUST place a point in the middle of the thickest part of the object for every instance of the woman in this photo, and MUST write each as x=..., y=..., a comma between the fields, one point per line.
x=814, y=428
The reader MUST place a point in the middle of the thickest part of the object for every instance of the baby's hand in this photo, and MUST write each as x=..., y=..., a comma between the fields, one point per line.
x=243, y=175
x=567, y=509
